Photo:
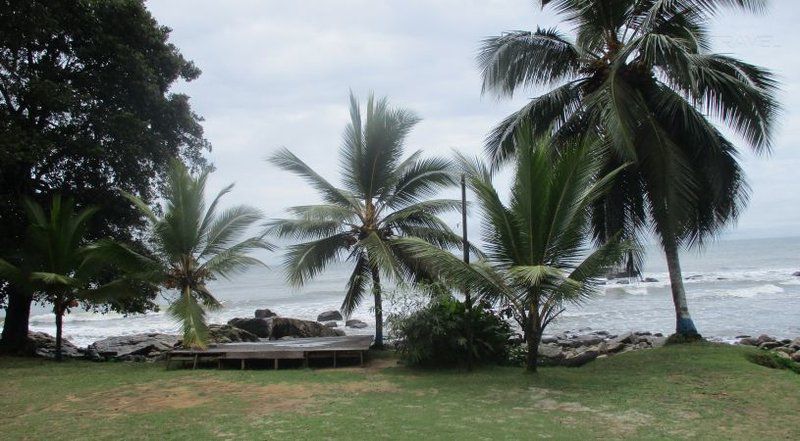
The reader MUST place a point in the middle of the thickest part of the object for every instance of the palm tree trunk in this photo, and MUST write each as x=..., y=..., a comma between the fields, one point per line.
x=534, y=337
x=376, y=292
x=15, y=326
x=684, y=325
x=59, y=310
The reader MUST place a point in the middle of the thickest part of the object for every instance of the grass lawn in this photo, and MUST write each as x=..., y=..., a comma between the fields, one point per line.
x=700, y=391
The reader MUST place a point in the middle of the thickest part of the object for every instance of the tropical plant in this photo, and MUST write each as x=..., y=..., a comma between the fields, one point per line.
x=638, y=79
x=192, y=244
x=536, y=246
x=383, y=198
x=58, y=265
x=439, y=334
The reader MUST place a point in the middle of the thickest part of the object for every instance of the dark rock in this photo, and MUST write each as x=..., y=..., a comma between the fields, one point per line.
x=749, y=341
x=650, y=280
x=613, y=346
x=796, y=357
x=583, y=340
x=695, y=277
x=265, y=313
x=579, y=359
x=229, y=334
x=289, y=327
x=329, y=316
x=331, y=324
x=658, y=334
x=358, y=324
x=764, y=338
x=769, y=345
x=626, y=337
x=550, y=354
x=640, y=333
x=548, y=339
x=624, y=282
x=786, y=341
x=795, y=343
x=742, y=336
x=604, y=333
x=259, y=326
x=41, y=344
x=796, y=273
x=137, y=347
x=339, y=332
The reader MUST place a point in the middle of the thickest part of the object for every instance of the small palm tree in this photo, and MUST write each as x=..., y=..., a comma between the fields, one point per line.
x=640, y=79
x=192, y=244
x=384, y=197
x=58, y=264
x=536, y=246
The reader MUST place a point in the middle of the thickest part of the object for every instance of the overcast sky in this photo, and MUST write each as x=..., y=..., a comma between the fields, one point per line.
x=277, y=73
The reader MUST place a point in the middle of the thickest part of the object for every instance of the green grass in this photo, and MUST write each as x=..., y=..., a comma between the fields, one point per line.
x=701, y=391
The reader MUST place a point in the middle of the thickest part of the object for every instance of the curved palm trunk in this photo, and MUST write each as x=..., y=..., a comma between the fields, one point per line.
x=15, y=326
x=683, y=321
x=533, y=337
x=376, y=292
x=59, y=310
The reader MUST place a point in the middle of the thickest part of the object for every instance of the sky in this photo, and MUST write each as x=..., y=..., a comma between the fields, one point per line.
x=278, y=74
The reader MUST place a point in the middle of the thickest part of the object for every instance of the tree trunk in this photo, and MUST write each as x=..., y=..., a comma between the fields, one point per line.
x=684, y=325
x=376, y=292
x=15, y=327
x=59, y=310
x=534, y=337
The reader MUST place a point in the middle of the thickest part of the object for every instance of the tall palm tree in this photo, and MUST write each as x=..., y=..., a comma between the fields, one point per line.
x=191, y=244
x=536, y=245
x=58, y=265
x=383, y=197
x=639, y=79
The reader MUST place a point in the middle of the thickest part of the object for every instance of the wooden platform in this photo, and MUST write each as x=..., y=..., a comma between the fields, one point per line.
x=353, y=346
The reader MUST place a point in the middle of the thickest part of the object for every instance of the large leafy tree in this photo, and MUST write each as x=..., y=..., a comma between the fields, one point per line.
x=383, y=197
x=191, y=243
x=638, y=78
x=59, y=264
x=537, y=257
x=85, y=108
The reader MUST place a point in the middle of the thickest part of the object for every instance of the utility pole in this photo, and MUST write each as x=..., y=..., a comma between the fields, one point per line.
x=465, y=245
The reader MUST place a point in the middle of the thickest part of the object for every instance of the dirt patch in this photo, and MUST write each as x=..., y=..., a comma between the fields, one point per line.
x=262, y=399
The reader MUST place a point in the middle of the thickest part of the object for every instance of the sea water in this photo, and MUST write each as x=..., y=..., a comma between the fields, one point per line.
x=733, y=287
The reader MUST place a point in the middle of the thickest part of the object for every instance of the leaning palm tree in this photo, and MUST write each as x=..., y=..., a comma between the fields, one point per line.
x=58, y=264
x=639, y=80
x=383, y=198
x=536, y=246
x=192, y=244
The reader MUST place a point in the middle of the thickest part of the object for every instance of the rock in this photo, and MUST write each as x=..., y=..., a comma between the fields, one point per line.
x=579, y=359
x=550, y=354
x=41, y=344
x=796, y=356
x=694, y=277
x=358, y=324
x=612, y=346
x=796, y=273
x=764, y=338
x=603, y=333
x=783, y=355
x=229, y=334
x=339, y=332
x=749, y=341
x=331, y=324
x=769, y=345
x=329, y=316
x=650, y=280
x=283, y=327
x=657, y=342
x=549, y=339
x=623, y=282
x=583, y=340
x=742, y=336
x=626, y=337
x=795, y=344
x=641, y=333
x=137, y=347
x=265, y=313
x=785, y=350
x=259, y=326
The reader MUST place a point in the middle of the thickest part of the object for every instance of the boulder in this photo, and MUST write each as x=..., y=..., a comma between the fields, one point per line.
x=137, y=347
x=769, y=345
x=339, y=332
x=265, y=313
x=331, y=324
x=583, y=340
x=657, y=342
x=749, y=341
x=289, y=327
x=579, y=359
x=625, y=337
x=782, y=355
x=796, y=356
x=358, y=324
x=796, y=273
x=764, y=338
x=550, y=354
x=650, y=280
x=258, y=326
x=795, y=344
x=329, y=316
x=613, y=346
x=229, y=334
x=548, y=339
x=41, y=344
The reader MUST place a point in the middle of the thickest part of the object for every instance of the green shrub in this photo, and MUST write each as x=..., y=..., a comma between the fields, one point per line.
x=437, y=334
x=773, y=361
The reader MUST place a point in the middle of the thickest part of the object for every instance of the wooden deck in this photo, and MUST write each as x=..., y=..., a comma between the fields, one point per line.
x=353, y=346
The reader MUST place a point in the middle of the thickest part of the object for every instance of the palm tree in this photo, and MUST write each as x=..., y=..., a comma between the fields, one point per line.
x=58, y=264
x=192, y=244
x=383, y=198
x=536, y=246
x=640, y=81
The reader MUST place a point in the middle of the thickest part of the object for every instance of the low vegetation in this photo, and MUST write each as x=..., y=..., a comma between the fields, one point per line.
x=652, y=394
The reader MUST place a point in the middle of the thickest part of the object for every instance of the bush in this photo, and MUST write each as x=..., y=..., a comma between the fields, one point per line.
x=773, y=361
x=437, y=334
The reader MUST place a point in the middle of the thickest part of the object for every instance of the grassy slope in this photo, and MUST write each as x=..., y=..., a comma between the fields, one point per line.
x=696, y=391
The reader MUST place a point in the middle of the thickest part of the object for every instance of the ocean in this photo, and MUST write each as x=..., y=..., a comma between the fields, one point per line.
x=734, y=287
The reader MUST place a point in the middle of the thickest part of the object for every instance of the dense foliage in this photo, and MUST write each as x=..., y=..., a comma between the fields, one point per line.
x=86, y=108
x=439, y=334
